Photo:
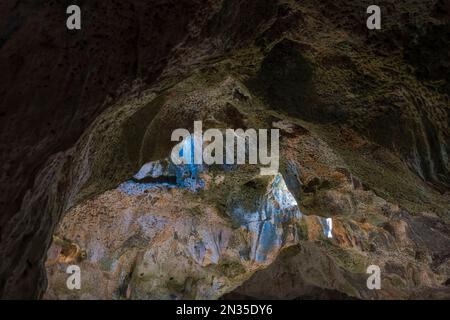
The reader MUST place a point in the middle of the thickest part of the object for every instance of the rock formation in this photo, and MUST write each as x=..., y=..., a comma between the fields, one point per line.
x=86, y=121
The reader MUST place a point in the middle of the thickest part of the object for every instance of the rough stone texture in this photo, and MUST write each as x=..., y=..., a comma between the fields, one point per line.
x=364, y=118
x=166, y=244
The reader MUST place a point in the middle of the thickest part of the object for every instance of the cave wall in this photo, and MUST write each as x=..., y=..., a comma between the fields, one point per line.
x=54, y=84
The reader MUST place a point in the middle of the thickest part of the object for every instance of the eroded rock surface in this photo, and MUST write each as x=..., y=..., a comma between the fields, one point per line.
x=167, y=244
x=86, y=120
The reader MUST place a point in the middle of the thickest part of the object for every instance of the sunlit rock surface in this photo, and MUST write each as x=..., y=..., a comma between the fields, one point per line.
x=155, y=236
x=165, y=243
x=271, y=222
x=144, y=233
